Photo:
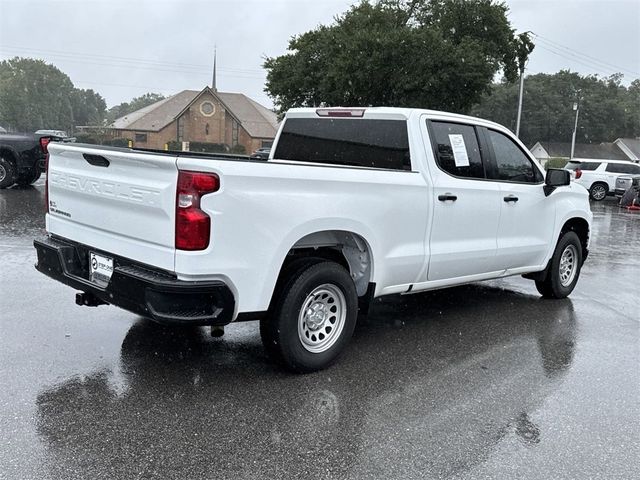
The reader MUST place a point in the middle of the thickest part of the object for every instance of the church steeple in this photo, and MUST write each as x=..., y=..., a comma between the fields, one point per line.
x=213, y=82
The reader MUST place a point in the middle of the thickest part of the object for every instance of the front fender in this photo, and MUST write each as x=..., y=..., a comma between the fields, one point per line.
x=571, y=202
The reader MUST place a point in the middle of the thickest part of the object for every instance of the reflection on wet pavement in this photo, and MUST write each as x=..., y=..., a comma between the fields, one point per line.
x=481, y=381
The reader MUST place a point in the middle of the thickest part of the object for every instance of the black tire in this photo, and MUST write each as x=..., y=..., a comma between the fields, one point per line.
x=598, y=191
x=280, y=330
x=293, y=268
x=7, y=173
x=552, y=286
x=29, y=178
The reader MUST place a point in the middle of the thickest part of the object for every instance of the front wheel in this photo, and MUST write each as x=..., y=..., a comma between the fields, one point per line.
x=598, y=191
x=7, y=173
x=313, y=317
x=565, y=268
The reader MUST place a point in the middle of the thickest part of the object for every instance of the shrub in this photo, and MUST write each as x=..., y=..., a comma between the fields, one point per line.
x=175, y=146
x=556, y=162
x=208, y=147
x=238, y=149
x=87, y=138
x=117, y=142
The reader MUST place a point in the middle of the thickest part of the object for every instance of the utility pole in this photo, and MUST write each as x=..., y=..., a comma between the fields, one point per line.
x=576, y=107
x=520, y=101
x=524, y=47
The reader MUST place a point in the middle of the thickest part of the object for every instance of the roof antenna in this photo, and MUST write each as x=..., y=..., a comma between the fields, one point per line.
x=213, y=82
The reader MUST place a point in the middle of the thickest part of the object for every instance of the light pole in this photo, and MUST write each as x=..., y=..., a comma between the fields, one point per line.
x=520, y=101
x=524, y=47
x=576, y=107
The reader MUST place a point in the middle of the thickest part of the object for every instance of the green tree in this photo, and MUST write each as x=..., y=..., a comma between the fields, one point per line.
x=88, y=107
x=632, y=109
x=137, y=103
x=33, y=95
x=608, y=109
x=423, y=53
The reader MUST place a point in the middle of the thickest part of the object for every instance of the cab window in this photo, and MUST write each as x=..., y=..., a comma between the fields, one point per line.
x=457, y=150
x=512, y=164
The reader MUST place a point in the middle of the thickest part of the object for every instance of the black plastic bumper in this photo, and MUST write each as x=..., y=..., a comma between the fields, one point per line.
x=140, y=289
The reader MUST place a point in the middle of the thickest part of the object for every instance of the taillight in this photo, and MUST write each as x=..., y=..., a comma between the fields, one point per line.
x=578, y=173
x=44, y=144
x=193, y=226
x=46, y=183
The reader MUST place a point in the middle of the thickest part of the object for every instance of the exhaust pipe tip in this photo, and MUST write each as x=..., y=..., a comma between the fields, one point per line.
x=217, y=331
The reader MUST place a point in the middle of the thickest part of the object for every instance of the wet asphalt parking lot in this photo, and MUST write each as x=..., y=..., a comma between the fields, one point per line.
x=481, y=381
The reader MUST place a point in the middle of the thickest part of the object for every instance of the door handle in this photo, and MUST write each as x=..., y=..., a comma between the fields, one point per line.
x=96, y=160
x=510, y=198
x=447, y=196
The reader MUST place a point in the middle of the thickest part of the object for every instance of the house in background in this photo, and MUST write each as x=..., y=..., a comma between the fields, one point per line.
x=205, y=116
x=543, y=151
x=630, y=146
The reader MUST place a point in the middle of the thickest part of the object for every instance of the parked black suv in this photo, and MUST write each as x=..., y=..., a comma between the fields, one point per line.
x=22, y=157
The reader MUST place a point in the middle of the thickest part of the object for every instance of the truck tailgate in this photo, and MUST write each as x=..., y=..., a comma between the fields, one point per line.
x=115, y=200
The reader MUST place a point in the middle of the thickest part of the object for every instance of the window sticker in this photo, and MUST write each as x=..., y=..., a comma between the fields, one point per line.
x=460, y=156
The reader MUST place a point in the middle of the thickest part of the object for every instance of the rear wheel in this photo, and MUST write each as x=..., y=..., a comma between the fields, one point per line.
x=564, y=269
x=312, y=318
x=598, y=191
x=29, y=177
x=7, y=173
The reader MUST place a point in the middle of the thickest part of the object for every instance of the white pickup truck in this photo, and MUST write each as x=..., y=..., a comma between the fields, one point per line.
x=352, y=204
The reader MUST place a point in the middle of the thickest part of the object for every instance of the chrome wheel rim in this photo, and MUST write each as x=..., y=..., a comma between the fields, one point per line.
x=599, y=192
x=322, y=318
x=568, y=265
x=3, y=173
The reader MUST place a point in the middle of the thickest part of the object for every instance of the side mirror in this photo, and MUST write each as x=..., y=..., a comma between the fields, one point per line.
x=556, y=177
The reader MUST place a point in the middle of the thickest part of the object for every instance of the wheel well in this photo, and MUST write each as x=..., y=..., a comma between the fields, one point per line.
x=8, y=154
x=345, y=248
x=581, y=228
x=604, y=184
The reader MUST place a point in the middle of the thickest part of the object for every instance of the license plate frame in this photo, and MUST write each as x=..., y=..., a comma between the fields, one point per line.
x=100, y=268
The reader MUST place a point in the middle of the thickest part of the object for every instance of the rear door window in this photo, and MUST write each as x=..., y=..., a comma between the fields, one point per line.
x=572, y=166
x=358, y=142
x=457, y=150
x=589, y=165
x=622, y=168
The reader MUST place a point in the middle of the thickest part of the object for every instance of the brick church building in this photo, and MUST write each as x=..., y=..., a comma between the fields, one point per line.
x=207, y=116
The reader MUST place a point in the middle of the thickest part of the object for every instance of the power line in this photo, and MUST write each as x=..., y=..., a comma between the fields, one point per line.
x=201, y=72
x=552, y=42
x=141, y=87
x=591, y=66
x=591, y=63
x=129, y=61
x=573, y=53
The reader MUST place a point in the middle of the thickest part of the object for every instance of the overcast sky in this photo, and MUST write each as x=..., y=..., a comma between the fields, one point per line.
x=123, y=49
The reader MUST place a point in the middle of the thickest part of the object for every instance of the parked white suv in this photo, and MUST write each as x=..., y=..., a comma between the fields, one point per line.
x=352, y=204
x=599, y=176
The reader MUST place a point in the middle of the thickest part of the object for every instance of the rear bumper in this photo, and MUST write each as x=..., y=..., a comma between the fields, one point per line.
x=137, y=288
x=619, y=192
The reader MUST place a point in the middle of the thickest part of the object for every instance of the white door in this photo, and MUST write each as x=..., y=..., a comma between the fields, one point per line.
x=527, y=216
x=467, y=206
